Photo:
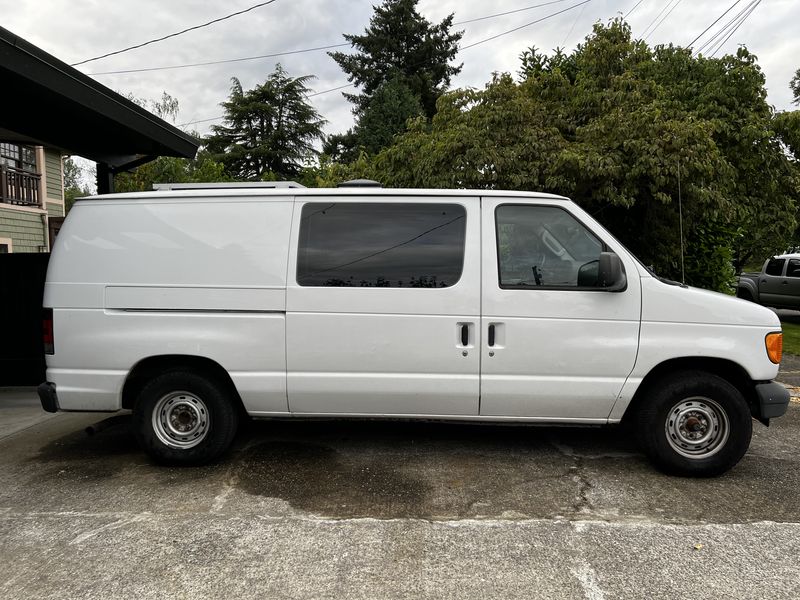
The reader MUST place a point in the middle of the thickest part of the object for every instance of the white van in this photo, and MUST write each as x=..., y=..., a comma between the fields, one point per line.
x=196, y=305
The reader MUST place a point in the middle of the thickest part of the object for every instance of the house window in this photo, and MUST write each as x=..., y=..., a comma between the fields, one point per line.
x=5, y=246
x=19, y=157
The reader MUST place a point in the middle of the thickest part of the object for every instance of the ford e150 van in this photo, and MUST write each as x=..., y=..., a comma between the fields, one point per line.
x=195, y=305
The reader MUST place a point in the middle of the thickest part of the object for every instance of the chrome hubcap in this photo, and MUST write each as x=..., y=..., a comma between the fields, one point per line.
x=180, y=420
x=697, y=427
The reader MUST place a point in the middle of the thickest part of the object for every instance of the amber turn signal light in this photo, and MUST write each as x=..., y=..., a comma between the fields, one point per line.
x=774, y=343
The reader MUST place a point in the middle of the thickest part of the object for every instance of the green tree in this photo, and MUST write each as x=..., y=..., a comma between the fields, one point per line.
x=401, y=44
x=384, y=116
x=392, y=104
x=626, y=131
x=74, y=184
x=269, y=131
x=169, y=169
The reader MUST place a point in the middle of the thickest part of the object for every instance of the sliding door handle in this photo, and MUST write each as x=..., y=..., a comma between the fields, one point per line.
x=465, y=335
x=491, y=335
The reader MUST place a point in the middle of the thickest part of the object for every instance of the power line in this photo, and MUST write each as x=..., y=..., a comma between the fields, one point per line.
x=712, y=41
x=550, y=16
x=658, y=16
x=220, y=62
x=717, y=49
x=483, y=41
x=172, y=35
x=714, y=23
x=652, y=31
x=508, y=12
x=635, y=6
x=571, y=29
x=341, y=87
x=300, y=51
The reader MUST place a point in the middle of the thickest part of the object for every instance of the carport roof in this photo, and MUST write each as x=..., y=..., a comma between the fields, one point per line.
x=47, y=102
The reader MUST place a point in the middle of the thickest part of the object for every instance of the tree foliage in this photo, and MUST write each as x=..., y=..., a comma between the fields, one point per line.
x=269, y=131
x=168, y=169
x=384, y=116
x=622, y=129
x=400, y=44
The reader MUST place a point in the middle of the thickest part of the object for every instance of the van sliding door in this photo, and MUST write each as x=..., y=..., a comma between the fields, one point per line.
x=383, y=306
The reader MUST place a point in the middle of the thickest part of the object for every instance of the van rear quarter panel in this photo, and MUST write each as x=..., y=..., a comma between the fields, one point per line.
x=134, y=278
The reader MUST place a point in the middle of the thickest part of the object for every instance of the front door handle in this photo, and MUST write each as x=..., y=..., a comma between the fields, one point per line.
x=491, y=335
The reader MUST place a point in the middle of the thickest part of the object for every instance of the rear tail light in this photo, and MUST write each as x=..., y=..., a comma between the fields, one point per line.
x=47, y=331
x=774, y=342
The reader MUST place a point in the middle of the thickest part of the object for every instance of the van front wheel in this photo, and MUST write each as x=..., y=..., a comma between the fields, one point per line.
x=695, y=424
x=183, y=418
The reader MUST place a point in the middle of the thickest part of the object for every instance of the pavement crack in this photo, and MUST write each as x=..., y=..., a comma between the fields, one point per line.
x=583, y=503
x=108, y=527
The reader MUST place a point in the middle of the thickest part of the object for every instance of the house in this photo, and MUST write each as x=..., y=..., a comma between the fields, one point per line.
x=31, y=197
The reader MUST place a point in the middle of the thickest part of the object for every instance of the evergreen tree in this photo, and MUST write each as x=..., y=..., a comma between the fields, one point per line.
x=392, y=104
x=269, y=131
x=402, y=66
x=401, y=44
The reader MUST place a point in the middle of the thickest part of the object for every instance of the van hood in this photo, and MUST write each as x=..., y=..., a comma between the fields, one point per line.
x=682, y=304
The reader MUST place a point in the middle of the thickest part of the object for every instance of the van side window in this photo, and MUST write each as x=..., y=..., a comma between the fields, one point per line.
x=775, y=267
x=381, y=245
x=544, y=246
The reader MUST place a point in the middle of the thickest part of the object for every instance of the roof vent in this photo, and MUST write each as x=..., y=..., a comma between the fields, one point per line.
x=360, y=183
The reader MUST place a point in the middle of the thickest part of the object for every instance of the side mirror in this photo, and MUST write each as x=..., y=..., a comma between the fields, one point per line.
x=611, y=274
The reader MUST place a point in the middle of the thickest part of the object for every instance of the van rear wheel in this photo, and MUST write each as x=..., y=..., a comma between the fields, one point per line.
x=183, y=418
x=694, y=424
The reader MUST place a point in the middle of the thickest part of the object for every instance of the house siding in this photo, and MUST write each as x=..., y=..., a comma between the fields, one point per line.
x=52, y=169
x=25, y=228
x=55, y=209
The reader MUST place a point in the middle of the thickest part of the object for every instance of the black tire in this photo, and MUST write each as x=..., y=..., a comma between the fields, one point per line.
x=197, y=418
x=744, y=295
x=694, y=403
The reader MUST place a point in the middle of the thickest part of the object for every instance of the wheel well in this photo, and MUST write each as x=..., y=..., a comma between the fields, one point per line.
x=726, y=369
x=153, y=366
x=744, y=293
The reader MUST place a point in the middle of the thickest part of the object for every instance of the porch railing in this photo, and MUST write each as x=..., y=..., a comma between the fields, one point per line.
x=19, y=187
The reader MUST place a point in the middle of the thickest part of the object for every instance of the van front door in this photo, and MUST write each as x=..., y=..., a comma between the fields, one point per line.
x=555, y=346
x=383, y=306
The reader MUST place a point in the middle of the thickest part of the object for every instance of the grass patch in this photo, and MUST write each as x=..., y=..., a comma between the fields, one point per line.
x=791, y=338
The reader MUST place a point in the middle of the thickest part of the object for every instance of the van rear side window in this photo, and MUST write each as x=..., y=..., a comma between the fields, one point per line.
x=381, y=245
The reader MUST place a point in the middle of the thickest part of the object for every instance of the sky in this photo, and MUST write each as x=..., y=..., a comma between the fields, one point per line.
x=74, y=30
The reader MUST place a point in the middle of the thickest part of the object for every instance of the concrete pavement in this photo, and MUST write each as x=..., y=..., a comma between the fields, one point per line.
x=336, y=509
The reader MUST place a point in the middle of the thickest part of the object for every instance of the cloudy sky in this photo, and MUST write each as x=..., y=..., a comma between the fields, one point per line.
x=74, y=30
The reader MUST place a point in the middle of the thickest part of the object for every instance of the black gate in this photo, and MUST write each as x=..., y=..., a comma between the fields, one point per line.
x=21, y=289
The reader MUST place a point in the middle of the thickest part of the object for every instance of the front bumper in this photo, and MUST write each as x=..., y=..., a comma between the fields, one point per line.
x=773, y=400
x=48, y=397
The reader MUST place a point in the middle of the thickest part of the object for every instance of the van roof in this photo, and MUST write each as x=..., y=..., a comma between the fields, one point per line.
x=305, y=192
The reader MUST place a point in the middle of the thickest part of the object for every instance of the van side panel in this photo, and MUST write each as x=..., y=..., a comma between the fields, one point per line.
x=112, y=342
x=130, y=279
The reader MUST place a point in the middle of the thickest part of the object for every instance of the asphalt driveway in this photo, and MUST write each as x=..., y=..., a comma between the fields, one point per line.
x=336, y=509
